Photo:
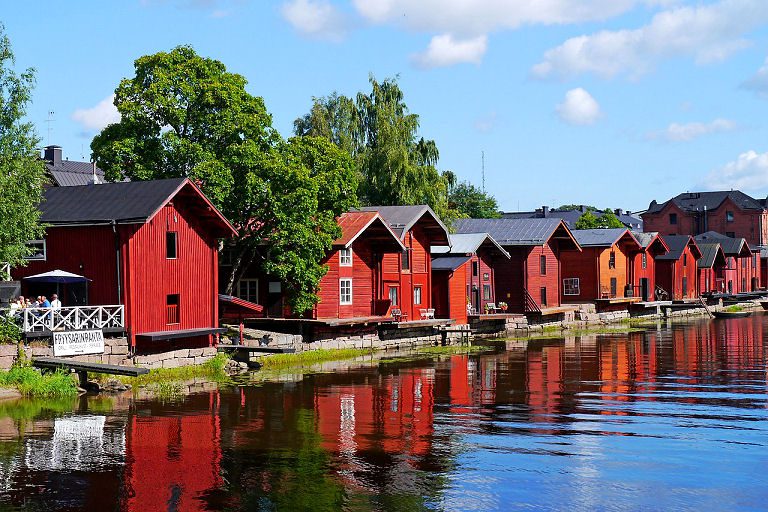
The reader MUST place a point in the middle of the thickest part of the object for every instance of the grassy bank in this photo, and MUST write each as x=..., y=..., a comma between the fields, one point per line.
x=30, y=382
x=310, y=357
x=558, y=333
x=212, y=369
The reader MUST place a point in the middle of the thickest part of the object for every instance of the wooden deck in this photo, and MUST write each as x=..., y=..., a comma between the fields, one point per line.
x=618, y=300
x=555, y=310
x=495, y=316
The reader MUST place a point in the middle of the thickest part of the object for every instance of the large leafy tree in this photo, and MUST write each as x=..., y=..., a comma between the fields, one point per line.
x=395, y=164
x=186, y=115
x=22, y=173
x=469, y=201
x=606, y=219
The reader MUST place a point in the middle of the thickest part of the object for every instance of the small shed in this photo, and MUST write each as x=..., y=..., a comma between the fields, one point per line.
x=677, y=271
x=711, y=266
x=644, y=264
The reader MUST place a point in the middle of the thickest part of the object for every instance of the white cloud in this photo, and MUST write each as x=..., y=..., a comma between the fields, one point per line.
x=98, y=117
x=709, y=33
x=759, y=81
x=475, y=17
x=687, y=132
x=315, y=18
x=444, y=50
x=486, y=123
x=748, y=172
x=579, y=108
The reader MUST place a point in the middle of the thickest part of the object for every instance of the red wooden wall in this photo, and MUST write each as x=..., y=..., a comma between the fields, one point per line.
x=522, y=271
x=669, y=275
x=363, y=273
x=420, y=273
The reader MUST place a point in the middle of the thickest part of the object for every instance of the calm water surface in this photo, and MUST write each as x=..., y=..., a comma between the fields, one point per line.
x=667, y=419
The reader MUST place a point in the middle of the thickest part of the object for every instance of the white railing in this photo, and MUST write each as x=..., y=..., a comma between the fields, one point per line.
x=5, y=271
x=69, y=318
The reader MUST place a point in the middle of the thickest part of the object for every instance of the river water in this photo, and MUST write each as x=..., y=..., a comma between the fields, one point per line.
x=672, y=418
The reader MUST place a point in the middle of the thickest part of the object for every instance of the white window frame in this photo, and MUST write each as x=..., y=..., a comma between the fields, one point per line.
x=345, y=257
x=417, y=295
x=345, y=299
x=247, y=296
x=571, y=284
x=37, y=258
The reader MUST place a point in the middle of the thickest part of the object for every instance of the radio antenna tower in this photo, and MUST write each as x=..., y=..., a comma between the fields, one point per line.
x=48, y=122
x=482, y=167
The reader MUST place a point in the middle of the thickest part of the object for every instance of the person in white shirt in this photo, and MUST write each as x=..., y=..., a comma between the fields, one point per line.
x=55, y=302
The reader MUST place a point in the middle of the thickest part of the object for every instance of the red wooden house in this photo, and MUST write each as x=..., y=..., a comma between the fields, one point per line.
x=742, y=271
x=407, y=276
x=603, y=269
x=354, y=284
x=677, y=271
x=149, y=245
x=530, y=280
x=712, y=265
x=463, y=275
x=644, y=264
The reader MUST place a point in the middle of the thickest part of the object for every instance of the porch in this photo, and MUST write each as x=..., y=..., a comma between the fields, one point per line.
x=42, y=322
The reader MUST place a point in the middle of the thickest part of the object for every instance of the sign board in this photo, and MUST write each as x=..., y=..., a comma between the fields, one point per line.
x=72, y=343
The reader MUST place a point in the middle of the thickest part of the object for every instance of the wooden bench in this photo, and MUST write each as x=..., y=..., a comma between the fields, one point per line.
x=82, y=368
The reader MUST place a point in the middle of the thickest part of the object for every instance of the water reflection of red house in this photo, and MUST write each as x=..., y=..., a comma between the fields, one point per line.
x=172, y=461
x=396, y=418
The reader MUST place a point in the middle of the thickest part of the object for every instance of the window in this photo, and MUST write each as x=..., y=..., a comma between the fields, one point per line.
x=614, y=287
x=345, y=257
x=543, y=292
x=226, y=257
x=754, y=261
x=730, y=234
x=743, y=284
x=728, y=216
x=172, y=309
x=685, y=286
x=612, y=260
x=345, y=291
x=37, y=250
x=685, y=260
x=417, y=295
x=275, y=287
x=571, y=286
x=645, y=260
x=486, y=276
x=170, y=245
x=393, y=295
x=406, y=257
x=673, y=218
x=543, y=265
x=487, y=292
x=248, y=289
x=475, y=270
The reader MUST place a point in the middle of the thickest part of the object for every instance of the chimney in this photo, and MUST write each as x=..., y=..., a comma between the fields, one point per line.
x=545, y=211
x=582, y=208
x=618, y=211
x=53, y=155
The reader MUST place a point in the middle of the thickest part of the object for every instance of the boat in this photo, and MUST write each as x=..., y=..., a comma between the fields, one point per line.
x=764, y=303
x=731, y=314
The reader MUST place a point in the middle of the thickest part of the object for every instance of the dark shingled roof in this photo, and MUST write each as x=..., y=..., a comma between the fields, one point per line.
x=521, y=232
x=449, y=262
x=731, y=246
x=571, y=216
x=71, y=174
x=599, y=237
x=403, y=218
x=698, y=201
x=645, y=239
x=468, y=243
x=676, y=244
x=123, y=202
x=708, y=254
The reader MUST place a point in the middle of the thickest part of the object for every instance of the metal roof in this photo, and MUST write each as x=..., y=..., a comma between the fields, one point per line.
x=731, y=246
x=71, y=174
x=600, y=237
x=403, y=218
x=699, y=201
x=709, y=252
x=468, y=243
x=571, y=216
x=449, y=262
x=512, y=232
x=677, y=245
x=353, y=224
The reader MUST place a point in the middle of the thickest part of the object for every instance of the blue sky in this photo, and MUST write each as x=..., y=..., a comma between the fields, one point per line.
x=605, y=102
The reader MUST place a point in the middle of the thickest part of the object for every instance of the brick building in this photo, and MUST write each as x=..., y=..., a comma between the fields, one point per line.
x=731, y=213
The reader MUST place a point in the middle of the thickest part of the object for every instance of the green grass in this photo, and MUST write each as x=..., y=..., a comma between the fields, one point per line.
x=310, y=357
x=30, y=382
x=734, y=309
x=545, y=335
x=212, y=369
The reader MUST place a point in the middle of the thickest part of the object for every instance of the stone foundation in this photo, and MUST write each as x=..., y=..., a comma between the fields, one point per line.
x=115, y=352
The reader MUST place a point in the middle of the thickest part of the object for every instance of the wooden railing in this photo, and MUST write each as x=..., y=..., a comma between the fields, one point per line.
x=530, y=305
x=68, y=319
x=172, y=313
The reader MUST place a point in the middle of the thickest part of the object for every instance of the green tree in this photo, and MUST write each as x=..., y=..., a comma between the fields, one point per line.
x=589, y=220
x=395, y=164
x=609, y=220
x=22, y=172
x=469, y=201
x=574, y=207
x=185, y=115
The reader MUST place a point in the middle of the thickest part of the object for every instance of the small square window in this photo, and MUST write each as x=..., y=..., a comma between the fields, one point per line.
x=248, y=289
x=37, y=250
x=345, y=291
x=393, y=295
x=673, y=218
x=728, y=216
x=487, y=292
x=172, y=314
x=345, y=257
x=170, y=245
x=730, y=234
x=486, y=276
x=571, y=286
